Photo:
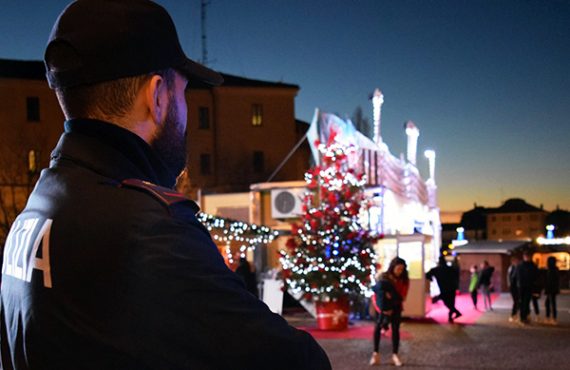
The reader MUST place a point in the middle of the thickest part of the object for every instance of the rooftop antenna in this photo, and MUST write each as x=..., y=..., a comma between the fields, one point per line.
x=203, y=5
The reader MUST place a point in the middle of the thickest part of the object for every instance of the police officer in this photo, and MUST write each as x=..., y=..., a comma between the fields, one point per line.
x=107, y=267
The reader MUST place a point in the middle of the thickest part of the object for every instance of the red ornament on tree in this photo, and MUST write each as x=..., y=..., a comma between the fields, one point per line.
x=331, y=243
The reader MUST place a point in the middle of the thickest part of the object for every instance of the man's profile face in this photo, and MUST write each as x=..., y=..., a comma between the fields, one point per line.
x=170, y=141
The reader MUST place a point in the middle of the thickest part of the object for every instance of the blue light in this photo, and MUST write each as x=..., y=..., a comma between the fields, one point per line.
x=460, y=233
x=550, y=232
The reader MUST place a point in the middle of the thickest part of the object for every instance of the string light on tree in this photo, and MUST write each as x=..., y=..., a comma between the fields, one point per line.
x=330, y=254
x=230, y=231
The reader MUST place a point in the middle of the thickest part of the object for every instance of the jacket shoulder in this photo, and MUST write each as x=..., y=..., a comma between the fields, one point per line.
x=166, y=196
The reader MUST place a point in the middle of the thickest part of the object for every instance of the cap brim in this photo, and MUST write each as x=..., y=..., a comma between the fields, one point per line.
x=197, y=72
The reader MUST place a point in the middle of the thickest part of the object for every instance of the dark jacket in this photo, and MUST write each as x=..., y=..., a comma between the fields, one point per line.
x=527, y=273
x=387, y=296
x=512, y=277
x=115, y=274
x=552, y=281
x=486, y=275
x=447, y=277
x=538, y=285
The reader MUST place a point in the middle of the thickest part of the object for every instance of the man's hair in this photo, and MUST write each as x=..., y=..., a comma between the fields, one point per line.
x=109, y=99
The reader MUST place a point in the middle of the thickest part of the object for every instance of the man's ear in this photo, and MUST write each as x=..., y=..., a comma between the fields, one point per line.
x=157, y=98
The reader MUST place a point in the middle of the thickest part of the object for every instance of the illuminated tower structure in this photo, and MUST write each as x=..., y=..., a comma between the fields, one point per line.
x=432, y=202
x=412, y=132
x=430, y=182
x=406, y=210
x=377, y=101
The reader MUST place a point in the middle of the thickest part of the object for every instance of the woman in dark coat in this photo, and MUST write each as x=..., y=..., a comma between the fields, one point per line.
x=390, y=291
x=551, y=289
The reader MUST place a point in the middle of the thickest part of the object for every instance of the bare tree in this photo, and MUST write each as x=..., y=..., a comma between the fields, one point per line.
x=20, y=162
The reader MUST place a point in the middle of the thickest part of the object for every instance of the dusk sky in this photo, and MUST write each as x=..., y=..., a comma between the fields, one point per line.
x=486, y=82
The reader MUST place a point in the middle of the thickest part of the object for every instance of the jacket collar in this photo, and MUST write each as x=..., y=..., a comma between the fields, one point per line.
x=111, y=151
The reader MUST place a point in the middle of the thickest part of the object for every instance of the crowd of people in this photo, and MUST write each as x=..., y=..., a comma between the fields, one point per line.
x=526, y=285
x=525, y=281
x=447, y=278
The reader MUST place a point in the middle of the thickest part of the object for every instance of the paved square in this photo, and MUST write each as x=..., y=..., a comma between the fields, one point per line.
x=485, y=341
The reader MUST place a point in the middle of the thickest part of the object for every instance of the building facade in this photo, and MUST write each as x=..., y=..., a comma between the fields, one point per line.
x=239, y=133
x=31, y=123
x=515, y=220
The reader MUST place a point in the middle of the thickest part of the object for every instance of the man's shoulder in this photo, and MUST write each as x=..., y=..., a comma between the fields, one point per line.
x=154, y=205
x=168, y=198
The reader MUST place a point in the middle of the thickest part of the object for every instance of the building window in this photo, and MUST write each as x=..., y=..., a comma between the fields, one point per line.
x=33, y=161
x=33, y=108
x=533, y=217
x=506, y=218
x=493, y=218
x=204, y=118
x=258, y=161
x=205, y=165
x=506, y=231
x=519, y=218
x=494, y=232
x=256, y=114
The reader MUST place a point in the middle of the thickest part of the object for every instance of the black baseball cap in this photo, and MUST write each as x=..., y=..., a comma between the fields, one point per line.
x=101, y=40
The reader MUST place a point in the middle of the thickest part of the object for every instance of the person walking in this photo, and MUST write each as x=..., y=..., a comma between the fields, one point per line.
x=473, y=285
x=390, y=291
x=551, y=289
x=513, y=287
x=108, y=267
x=485, y=282
x=526, y=274
x=448, y=281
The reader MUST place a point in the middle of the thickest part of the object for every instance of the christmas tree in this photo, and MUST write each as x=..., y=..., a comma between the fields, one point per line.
x=330, y=254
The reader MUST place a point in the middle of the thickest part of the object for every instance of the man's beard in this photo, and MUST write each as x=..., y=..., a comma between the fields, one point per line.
x=169, y=143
